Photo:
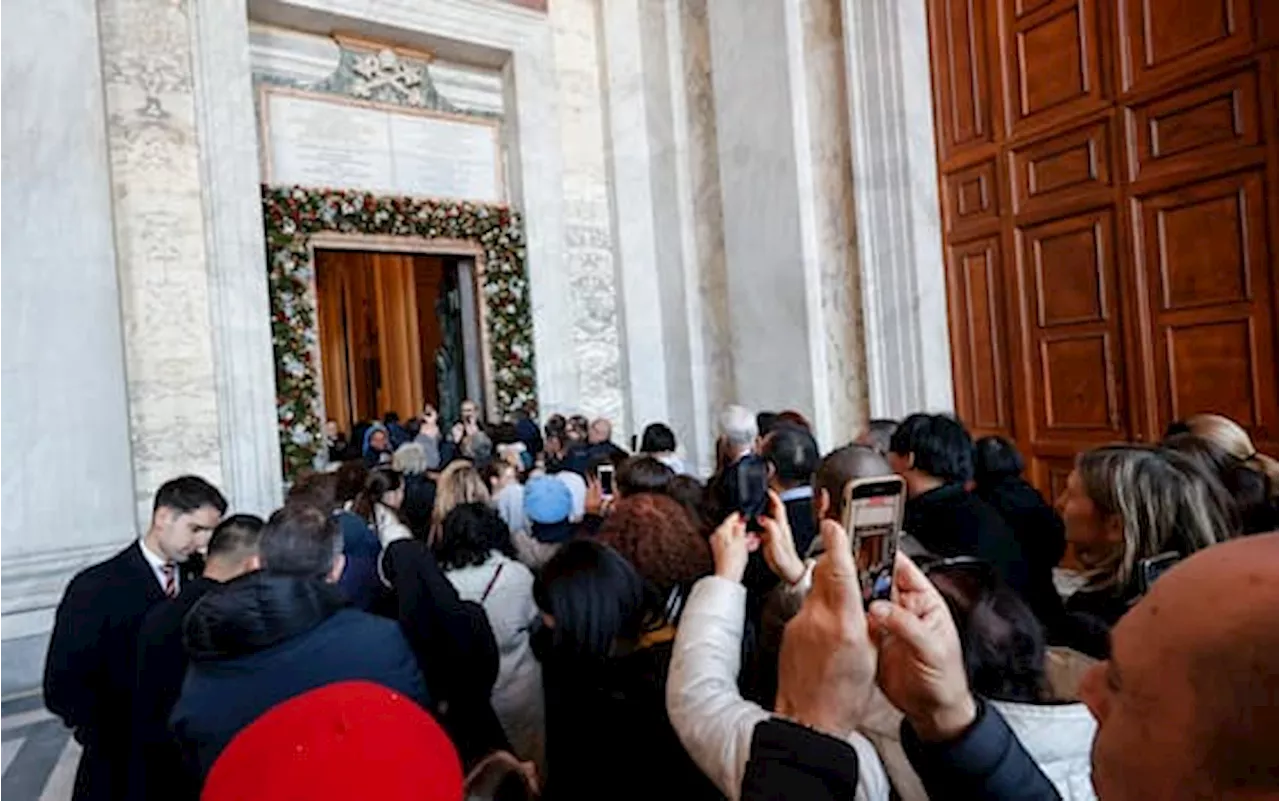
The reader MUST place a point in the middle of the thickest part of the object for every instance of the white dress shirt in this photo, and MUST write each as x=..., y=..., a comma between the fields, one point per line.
x=157, y=566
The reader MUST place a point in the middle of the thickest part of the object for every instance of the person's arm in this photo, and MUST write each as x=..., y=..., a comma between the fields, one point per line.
x=73, y=667
x=984, y=761
x=788, y=760
x=712, y=720
x=434, y=616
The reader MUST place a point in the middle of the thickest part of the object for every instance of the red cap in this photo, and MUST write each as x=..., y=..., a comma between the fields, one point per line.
x=353, y=739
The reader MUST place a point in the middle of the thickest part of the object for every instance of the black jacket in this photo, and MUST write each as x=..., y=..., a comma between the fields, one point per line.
x=987, y=762
x=454, y=645
x=155, y=764
x=261, y=639
x=950, y=521
x=90, y=669
x=608, y=734
x=1042, y=537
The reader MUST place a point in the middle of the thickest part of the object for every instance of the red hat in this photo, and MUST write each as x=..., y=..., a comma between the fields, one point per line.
x=352, y=739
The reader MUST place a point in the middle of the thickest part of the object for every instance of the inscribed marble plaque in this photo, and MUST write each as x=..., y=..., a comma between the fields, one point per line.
x=320, y=143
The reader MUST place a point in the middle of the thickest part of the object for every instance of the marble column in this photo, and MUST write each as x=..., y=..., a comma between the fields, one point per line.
x=153, y=147
x=67, y=489
x=239, y=308
x=785, y=165
x=896, y=190
x=654, y=212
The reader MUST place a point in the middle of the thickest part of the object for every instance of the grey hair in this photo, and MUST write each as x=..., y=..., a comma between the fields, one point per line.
x=410, y=459
x=1165, y=502
x=738, y=426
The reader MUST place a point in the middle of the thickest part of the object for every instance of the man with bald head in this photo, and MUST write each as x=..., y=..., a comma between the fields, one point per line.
x=600, y=442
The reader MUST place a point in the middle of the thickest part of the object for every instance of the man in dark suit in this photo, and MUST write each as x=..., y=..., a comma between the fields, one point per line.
x=90, y=669
x=792, y=455
x=156, y=769
x=934, y=455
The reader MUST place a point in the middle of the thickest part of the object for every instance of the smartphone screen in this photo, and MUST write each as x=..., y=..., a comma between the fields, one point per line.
x=753, y=481
x=606, y=479
x=1154, y=567
x=873, y=516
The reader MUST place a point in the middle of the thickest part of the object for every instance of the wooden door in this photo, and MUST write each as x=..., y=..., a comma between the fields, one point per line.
x=370, y=345
x=1108, y=182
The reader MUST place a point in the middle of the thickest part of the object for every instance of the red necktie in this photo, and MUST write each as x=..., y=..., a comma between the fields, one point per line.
x=170, y=580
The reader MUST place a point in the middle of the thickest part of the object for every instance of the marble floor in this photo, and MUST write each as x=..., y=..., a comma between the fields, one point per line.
x=37, y=751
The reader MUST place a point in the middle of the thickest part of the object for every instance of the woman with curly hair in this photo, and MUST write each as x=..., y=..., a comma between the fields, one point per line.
x=659, y=538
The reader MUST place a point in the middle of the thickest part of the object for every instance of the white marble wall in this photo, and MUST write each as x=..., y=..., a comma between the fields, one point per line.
x=160, y=242
x=67, y=486
x=777, y=75
x=589, y=240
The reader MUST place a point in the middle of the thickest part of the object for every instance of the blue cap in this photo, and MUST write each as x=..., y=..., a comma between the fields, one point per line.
x=547, y=500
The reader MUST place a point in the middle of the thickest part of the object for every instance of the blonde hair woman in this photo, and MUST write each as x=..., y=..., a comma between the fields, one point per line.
x=1230, y=436
x=1123, y=504
x=458, y=483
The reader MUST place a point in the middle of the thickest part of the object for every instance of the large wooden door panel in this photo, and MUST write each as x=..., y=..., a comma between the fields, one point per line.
x=1107, y=175
x=1204, y=253
x=1195, y=128
x=1164, y=39
x=961, y=78
x=1053, y=63
x=981, y=358
x=1071, y=329
x=1059, y=168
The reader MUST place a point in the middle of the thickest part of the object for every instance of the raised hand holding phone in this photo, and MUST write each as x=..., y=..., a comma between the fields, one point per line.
x=778, y=541
x=921, y=666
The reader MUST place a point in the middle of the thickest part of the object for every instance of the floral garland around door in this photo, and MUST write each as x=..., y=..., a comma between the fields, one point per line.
x=293, y=214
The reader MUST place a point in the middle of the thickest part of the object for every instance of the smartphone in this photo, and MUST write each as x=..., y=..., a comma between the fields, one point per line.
x=873, y=517
x=605, y=472
x=1154, y=567
x=753, y=488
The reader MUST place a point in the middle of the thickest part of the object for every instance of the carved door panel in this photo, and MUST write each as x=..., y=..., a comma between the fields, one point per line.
x=1208, y=270
x=1072, y=348
x=975, y=290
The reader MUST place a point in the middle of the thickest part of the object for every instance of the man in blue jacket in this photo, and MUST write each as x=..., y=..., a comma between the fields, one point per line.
x=276, y=633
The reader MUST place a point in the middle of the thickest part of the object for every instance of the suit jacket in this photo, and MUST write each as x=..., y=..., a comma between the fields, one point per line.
x=155, y=769
x=91, y=666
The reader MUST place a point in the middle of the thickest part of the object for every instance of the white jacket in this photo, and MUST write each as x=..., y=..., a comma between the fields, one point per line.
x=517, y=694
x=1059, y=737
x=713, y=721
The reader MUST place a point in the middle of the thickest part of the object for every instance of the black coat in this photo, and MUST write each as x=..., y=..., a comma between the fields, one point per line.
x=91, y=666
x=1042, y=537
x=950, y=521
x=1037, y=526
x=156, y=770
x=454, y=645
x=608, y=734
x=261, y=639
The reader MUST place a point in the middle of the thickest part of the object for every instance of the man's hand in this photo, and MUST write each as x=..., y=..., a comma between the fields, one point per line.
x=596, y=502
x=779, y=544
x=458, y=433
x=827, y=665
x=730, y=546
x=921, y=664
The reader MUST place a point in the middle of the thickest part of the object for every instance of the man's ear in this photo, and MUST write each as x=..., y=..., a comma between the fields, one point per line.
x=163, y=517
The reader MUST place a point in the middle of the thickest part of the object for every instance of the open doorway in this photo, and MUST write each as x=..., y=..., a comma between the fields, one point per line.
x=396, y=330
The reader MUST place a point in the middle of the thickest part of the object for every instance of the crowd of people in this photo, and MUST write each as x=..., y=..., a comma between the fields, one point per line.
x=515, y=610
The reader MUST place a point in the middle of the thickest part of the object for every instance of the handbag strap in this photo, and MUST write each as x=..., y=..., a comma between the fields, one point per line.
x=489, y=587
